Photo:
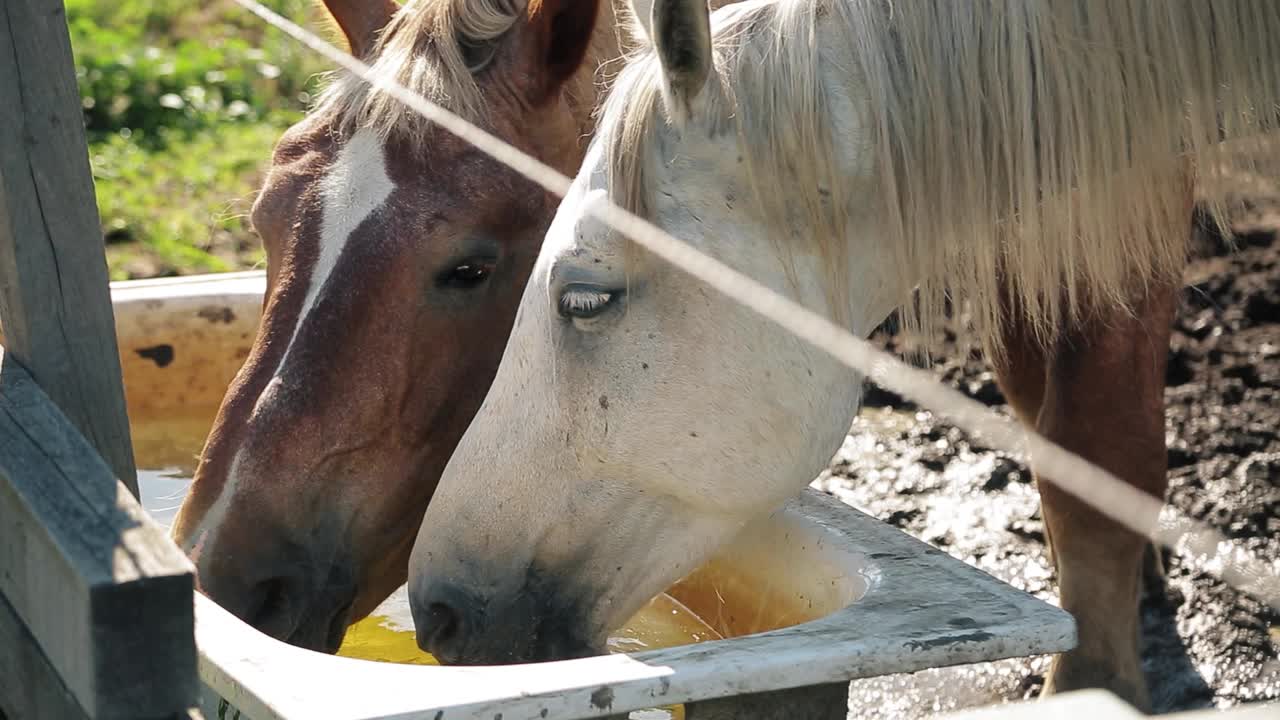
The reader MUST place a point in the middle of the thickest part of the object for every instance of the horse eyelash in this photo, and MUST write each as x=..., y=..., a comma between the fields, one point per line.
x=578, y=301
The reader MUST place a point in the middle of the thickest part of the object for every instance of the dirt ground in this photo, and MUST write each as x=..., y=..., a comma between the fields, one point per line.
x=1204, y=644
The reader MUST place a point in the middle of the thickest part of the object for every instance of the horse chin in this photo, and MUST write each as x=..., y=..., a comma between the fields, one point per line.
x=544, y=648
x=320, y=634
x=569, y=649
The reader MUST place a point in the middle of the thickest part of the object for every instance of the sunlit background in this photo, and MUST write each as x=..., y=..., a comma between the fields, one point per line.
x=183, y=102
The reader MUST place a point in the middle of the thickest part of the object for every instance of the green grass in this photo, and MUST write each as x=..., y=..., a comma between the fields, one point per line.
x=183, y=102
x=179, y=205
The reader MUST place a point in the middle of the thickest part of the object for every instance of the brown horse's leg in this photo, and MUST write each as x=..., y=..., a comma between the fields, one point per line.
x=1100, y=394
x=1020, y=367
x=1104, y=399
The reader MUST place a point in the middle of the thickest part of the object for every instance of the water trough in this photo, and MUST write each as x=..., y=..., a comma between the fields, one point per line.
x=845, y=595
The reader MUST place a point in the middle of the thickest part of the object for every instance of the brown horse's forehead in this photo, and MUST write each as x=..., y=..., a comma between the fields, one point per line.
x=449, y=176
x=430, y=199
x=440, y=179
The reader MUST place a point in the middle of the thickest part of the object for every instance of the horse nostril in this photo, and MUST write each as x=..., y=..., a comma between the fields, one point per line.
x=440, y=629
x=446, y=618
x=268, y=606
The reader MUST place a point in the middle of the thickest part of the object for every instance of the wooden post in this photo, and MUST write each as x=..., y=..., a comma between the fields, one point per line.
x=55, y=304
x=29, y=686
x=86, y=574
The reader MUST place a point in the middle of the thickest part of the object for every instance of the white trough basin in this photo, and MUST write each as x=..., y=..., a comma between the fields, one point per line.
x=845, y=595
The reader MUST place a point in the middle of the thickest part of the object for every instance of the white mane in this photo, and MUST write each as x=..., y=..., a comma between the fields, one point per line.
x=1042, y=147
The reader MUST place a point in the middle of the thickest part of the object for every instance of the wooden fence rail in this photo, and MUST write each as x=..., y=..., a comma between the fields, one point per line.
x=102, y=596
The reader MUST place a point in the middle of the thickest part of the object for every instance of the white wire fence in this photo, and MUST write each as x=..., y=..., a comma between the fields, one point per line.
x=1201, y=546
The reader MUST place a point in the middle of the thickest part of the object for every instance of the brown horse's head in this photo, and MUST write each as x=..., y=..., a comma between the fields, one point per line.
x=396, y=256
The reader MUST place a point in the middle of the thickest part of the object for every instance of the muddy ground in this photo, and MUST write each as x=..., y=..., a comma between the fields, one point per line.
x=1205, y=645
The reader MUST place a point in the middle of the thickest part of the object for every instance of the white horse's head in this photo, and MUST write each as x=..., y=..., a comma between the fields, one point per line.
x=639, y=419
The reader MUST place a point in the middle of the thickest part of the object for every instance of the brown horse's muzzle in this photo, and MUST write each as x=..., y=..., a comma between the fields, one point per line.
x=278, y=594
x=294, y=531
x=296, y=583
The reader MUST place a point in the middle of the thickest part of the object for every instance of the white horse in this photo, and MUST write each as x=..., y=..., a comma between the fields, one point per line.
x=1032, y=158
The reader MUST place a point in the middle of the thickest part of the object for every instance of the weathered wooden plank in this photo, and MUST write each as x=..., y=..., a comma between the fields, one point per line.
x=54, y=301
x=100, y=586
x=29, y=686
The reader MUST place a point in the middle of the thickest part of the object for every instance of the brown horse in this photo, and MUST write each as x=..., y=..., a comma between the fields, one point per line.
x=396, y=257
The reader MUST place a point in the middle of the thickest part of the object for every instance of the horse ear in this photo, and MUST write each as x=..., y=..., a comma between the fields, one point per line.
x=681, y=32
x=640, y=20
x=564, y=29
x=361, y=21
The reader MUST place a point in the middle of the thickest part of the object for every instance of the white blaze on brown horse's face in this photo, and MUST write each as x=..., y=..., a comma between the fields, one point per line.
x=395, y=263
x=355, y=186
x=638, y=418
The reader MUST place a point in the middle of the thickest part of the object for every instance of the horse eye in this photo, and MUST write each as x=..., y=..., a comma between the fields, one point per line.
x=466, y=275
x=585, y=301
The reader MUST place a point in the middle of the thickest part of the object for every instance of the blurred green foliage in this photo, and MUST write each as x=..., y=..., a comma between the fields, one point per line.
x=183, y=102
x=144, y=65
x=180, y=205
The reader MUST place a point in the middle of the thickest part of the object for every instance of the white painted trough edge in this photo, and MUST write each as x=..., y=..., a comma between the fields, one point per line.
x=924, y=609
x=248, y=282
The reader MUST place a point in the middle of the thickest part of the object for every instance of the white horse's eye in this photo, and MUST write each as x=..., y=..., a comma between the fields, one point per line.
x=585, y=301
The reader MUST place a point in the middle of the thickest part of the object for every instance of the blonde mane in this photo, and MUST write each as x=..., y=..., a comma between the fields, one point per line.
x=1039, y=150
x=436, y=48
x=422, y=48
